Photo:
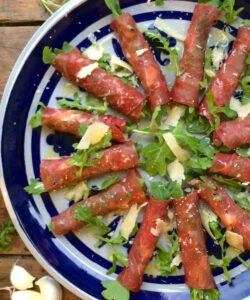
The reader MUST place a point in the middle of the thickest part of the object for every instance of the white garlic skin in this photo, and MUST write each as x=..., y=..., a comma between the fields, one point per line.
x=50, y=289
x=20, y=278
x=26, y=295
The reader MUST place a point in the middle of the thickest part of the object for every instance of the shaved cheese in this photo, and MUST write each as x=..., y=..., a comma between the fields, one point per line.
x=179, y=153
x=217, y=57
x=70, y=89
x=116, y=63
x=94, y=52
x=176, y=171
x=87, y=70
x=177, y=260
x=242, y=110
x=129, y=221
x=93, y=135
x=165, y=27
x=77, y=192
x=207, y=216
x=141, y=51
x=235, y=240
x=210, y=73
x=173, y=117
x=161, y=227
x=152, y=269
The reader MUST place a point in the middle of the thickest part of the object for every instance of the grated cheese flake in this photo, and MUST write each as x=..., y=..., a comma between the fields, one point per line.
x=87, y=70
x=165, y=27
x=242, y=110
x=179, y=153
x=176, y=171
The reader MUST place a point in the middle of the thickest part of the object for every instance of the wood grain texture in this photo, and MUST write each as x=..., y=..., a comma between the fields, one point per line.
x=12, y=42
x=16, y=11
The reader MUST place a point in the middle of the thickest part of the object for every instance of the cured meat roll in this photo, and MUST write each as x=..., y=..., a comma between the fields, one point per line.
x=139, y=55
x=57, y=173
x=69, y=121
x=232, y=165
x=198, y=275
x=233, y=134
x=144, y=245
x=98, y=82
x=232, y=216
x=186, y=88
x=119, y=196
x=228, y=77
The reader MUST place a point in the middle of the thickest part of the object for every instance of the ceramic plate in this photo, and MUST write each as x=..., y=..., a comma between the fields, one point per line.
x=72, y=259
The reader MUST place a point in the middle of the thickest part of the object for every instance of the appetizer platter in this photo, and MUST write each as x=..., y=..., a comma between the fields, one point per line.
x=125, y=159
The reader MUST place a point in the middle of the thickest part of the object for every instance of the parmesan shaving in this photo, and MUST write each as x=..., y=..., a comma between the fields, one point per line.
x=129, y=221
x=161, y=227
x=93, y=135
x=176, y=171
x=165, y=27
x=173, y=117
x=87, y=70
x=116, y=63
x=141, y=51
x=217, y=57
x=94, y=52
x=210, y=73
x=235, y=240
x=207, y=216
x=242, y=110
x=77, y=192
x=70, y=89
x=179, y=153
x=177, y=260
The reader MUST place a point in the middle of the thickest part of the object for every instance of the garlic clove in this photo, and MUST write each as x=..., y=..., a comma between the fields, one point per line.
x=26, y=295
x=50, y=289
x=20, y=278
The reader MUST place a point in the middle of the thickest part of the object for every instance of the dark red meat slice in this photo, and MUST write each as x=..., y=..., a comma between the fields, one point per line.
x=228, y=77
x=143, y=246
x=187, y=86
x=69, y=120
x=119, y=196
x=198, y=273
x=144, y=65
x=233, y=134
x=57, y=173
x=119, y=95
x=232, y=165
x=232, y=216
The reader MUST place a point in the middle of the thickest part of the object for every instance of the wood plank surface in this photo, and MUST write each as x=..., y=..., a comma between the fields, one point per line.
x=16, y=11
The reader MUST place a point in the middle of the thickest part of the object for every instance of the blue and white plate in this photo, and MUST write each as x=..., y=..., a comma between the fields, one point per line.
x=73, y=260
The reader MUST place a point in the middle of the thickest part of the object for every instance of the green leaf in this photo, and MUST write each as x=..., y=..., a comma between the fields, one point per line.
x=243, y=200
x=231, y=184
x=82, y=129
x=197, y=162
x=48, y=55
x=195, y=123
x=51, y=5
x=108, y=182
x=114, y=6
x=117, y=257
x=243, y=152
x=230, y=14
x=114, y=290
x=5, y=239
x=211, y=294
x=35, y=187
x=165, y=191
x=36, y=120
x=208, y=66
x=159, y=2
x=246, y=22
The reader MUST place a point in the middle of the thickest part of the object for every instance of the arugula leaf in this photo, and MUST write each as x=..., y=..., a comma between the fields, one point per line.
x=163, y=258
x=103, y=62
x=243, y=152
x=230, y=183
x=108, y=182
x=165, y=191
x=114, y=290
x=195, y=123
x=5, y=239
x=117, y=257
x=211, y=294
x=51, y=5
x=165, y=45
x=35, y=187
x=246, y=22
x=114, y=6
x=49, y=54
x=245, y=84
x=227, y=7
x=76, y=103
x=84, y=214
x=36, y=120
x=114, y=240
x=243, y=200
x=197, y=162
x=159, y=2
x=82, y=129
x=208, y=68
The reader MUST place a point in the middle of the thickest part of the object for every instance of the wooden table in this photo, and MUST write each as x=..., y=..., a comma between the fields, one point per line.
x=19, y=19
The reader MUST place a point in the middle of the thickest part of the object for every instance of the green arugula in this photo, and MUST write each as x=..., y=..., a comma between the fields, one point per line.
x=103, y=62
x=114, y=290
x=245, y=84
x=36, y=120
x=76, y=103
x=163, y=258
x=51, y=5
x=84, y=214
x=208, y=66
x=117, y=256
x=196, y=124
x=5, y=239
x=108, y=182
x=211, y=294
x=212, y=2
x=82, y=129
x=230, y=183
x=243, y=200
x=159, y=2
x=49, y=54
x=114, y=6
x=243, y=152
x=35, y=187
x=165, y=191
x=246, y=22
x=174, y=55
x=227, y=7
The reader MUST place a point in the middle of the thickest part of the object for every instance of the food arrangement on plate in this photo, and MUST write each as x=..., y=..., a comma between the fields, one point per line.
x=179, y=152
